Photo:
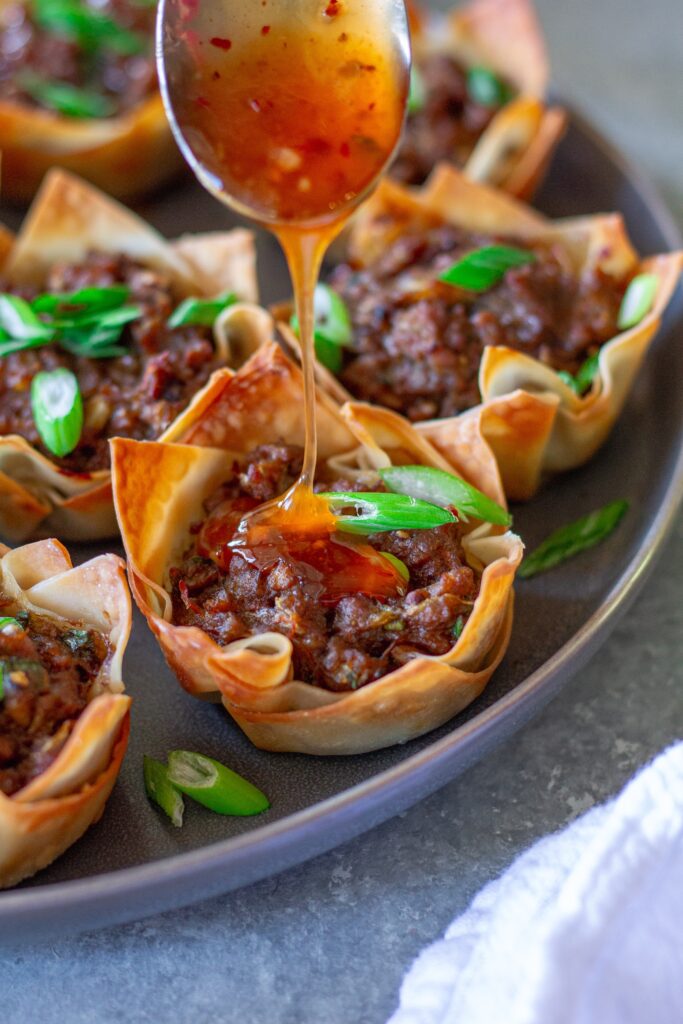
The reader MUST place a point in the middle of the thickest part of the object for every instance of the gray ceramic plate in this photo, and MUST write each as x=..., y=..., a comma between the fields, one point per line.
x=135, y=863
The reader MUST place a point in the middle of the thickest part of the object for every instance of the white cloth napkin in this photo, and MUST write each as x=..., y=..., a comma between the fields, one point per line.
x=586, y=927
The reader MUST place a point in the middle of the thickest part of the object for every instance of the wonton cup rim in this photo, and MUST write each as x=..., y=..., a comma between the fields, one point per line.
x=67, y=219
x=515, y=149
x=262, y=403
x=533, y=422
x=40, y=821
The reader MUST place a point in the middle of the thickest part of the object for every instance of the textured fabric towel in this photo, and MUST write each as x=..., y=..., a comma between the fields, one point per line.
x=586, y=927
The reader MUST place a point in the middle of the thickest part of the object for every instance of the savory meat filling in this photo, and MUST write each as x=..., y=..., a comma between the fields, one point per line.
x=47, y=669
x=82, y=59
x=417, y=341
x=349, y=613
x=447, y=123
x=137, y=394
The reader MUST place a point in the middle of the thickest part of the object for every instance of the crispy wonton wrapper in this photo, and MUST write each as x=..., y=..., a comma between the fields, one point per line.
x=127, y=156
x=533, y=422
x=67, y=220
x=503, y=35
x=40, y=821
x=263, y=403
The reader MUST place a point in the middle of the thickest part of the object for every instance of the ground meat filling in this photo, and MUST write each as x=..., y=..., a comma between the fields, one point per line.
x=342, y=644
x=29, y=50
x=136, y=395
x=47, y=670
x=448, y=125
x=418, y=342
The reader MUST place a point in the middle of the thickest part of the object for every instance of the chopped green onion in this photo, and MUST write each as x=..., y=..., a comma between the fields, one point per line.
x=19, y=322
x=378, y=512
x=66, y=99
x=77, y=639
x=332, y=328
x=200, y=312
x=458, y=627
x=417, y=96
x=445, y=490
x=93, y=300
x=400, y=567
x=7, y=620
x=486, y=88
x=571, y=539
x=637, y=300
x=582, y=381
x=212, y=784
x=161, y=791
x=483, y=268
x=57, y=409
x=88, y=27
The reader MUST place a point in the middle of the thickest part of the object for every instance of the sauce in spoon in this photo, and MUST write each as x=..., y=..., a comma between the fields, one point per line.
x=288, y=110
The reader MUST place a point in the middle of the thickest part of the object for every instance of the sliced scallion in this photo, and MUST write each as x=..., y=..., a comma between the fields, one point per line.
x=571, y=539
x=637, y=301
x=57, y=409
x=458, y=627
x=214, y=785
x=88, y=27
x=583, y=379
x=483, y=268
x=83, y=301
x=445, y=490
x=371, y=512
x=161, y=791
x=332, y=327
x=400, y=567
x=19, y=321
x=486, y=88
x=200, y=312
x=66, y=99
x=7, y=620
x=417, y=96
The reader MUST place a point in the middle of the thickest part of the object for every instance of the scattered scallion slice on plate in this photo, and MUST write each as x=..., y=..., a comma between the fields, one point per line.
x=214, y=785
x=57, y=409
x=637, y=301
x=483, y=268
x=161, y=791
x=486, y=88
x=332, y=327
x=571, y=539
x=446, y=490
x=372, y=512
x=200, y=312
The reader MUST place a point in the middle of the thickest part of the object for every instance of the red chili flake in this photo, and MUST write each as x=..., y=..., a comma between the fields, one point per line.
x=316, y=147
x=216, y=75
x=184, y=591
x=265, y=30
x=372, y=106
x=345, y=149
x=333, y=8
x=222, y=44
x=343, y=38
x=203, y=102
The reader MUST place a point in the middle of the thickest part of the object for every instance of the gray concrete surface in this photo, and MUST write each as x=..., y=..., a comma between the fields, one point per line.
x=327, y=943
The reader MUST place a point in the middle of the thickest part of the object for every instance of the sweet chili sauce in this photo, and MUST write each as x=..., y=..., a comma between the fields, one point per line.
x=291, y=123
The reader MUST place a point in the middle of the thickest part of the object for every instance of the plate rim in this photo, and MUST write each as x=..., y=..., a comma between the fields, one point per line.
x=30, y=906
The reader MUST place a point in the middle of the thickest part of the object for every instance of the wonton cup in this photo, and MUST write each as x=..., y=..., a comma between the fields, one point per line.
x=503, y=35
x=263, y=403
x=67, y=220
x=40, y=821
x=533, y=422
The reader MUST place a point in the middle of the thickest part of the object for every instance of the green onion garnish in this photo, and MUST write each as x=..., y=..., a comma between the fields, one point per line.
x=212, y=784
x=200, y=312
x=83, y=301
x=417, y=96
x=7, y=620
x=637, y=300
x=373, y=512
x=88, y=27
x=486, y=88
x=57, y=409
x=583, y=379
x=18, y=321
x=458, y=627
x=483, y=268
x=400, y=567
x=445, y=490
x=332, y=328
x=571, y=539
x=161, y=791
x=64, y=98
